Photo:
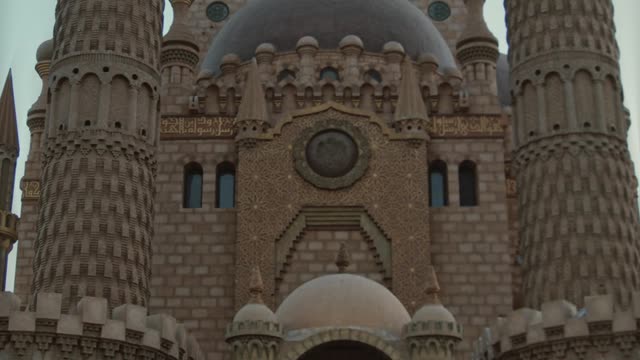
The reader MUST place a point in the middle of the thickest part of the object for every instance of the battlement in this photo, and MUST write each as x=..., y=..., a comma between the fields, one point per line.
x=561, y=329
x=90, y=331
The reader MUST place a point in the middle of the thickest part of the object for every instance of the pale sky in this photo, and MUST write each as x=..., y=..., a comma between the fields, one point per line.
x=25, y=24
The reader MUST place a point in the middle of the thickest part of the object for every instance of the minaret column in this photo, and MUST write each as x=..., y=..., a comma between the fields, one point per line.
x=96, y=205
x=578, y=213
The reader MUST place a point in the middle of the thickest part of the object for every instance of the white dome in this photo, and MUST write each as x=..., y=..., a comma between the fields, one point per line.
x=343, y=300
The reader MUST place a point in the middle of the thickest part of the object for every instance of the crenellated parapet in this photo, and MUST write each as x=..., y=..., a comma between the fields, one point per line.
x=90, y=331
x=348, y=75
x=560, y=330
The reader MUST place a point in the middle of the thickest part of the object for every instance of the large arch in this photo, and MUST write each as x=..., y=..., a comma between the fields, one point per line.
x=358, y=336
x=344, y=350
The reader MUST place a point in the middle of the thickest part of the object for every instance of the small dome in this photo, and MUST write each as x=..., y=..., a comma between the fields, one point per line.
x=375, y=22
x=231, y=59
x=428, y=59
x=351, y=40
x=433, y=312
x=255, y=312
x=45, y=51
x=393, y=46
x=307, y=41
x=265, y=48
x=343, y=300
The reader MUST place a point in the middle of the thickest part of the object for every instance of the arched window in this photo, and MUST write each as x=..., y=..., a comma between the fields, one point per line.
x=329, y=74
x=438, y=190
x=192, y=186
x=372, y=76
x=468, y=180
x=225, y=186
x=286, y=75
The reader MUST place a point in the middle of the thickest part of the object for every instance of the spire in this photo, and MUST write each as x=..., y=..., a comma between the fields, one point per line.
x=433, y=287
x=256, y=286
x=254, y=105
x=343, y=259
x=8, y=118
x=410, y=104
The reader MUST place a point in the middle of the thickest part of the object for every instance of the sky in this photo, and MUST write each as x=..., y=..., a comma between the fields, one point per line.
x=25, y=24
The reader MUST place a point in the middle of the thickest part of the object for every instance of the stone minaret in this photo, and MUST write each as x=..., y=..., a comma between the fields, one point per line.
x=30, y=183
x=98, y=180
x=577, y=196
x=9, y=150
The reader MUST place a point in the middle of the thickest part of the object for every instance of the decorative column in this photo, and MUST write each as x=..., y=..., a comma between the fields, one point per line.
x=96, y=206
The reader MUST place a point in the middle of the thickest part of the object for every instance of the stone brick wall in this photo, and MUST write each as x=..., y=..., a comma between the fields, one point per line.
x=193, y=259
x=315, y=255
x=470, y=246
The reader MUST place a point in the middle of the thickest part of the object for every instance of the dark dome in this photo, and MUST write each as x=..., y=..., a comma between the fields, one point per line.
x=283, y=22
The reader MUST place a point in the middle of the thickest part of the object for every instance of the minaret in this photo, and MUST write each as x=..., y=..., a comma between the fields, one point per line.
x=577, y=198
x=30, y=183
x=180, y=53
x=9, y=150
x=98, y=180
x=477, y=52
x=253, y=116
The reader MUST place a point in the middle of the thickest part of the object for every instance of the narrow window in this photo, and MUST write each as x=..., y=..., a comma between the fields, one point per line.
x=468, y=180
x=438, y=192
x=192, y=186
x=329, y=74
x=225, y=186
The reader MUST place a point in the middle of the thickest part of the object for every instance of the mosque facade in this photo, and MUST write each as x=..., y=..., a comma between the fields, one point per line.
x=323, y=179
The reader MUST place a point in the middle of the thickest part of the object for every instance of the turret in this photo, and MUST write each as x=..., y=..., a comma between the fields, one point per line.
x=411, y=118
x=433, y=332
x=578, y=211
x=253, y=117
x=255, y=332
x=180, y=52
x=9, y=150
x=477, y=52
x=96, y=205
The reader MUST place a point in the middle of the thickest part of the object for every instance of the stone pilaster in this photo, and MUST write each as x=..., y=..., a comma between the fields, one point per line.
x=96, y=214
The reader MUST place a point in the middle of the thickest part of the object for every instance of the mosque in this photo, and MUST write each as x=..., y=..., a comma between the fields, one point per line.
x=323, y=179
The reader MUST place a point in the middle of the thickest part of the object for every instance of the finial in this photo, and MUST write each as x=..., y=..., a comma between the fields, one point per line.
x=256, y=286
x=410, y=103
x=433, y=288
x=343, y=260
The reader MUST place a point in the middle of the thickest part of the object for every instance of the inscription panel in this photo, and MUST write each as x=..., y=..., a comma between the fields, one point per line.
x=220, y=127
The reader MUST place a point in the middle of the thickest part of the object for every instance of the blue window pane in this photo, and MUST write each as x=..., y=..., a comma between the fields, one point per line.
x=194, y=191
x=226, y=191
x=437, y=190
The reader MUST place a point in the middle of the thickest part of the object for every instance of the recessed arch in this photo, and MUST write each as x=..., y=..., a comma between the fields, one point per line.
x=193, y=185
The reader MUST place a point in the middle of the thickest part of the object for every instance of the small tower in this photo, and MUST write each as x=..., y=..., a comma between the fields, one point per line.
x=180, y=52
x=411, y=118
x=255, y=332
x=578, y=209
x=477, y=52
x=30, y=183
x=433, y=332
x=98, y=178
x=253, y=116
x=9, y=150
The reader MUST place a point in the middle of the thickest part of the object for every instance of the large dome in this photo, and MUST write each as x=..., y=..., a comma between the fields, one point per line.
x=343, y=300
x=283, y=22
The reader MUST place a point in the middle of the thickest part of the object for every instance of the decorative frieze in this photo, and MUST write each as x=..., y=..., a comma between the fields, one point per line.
x=222, y=127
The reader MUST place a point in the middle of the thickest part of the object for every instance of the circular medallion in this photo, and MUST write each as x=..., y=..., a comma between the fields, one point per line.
x=439, y=11
x=332, y=154
x=217, y=11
